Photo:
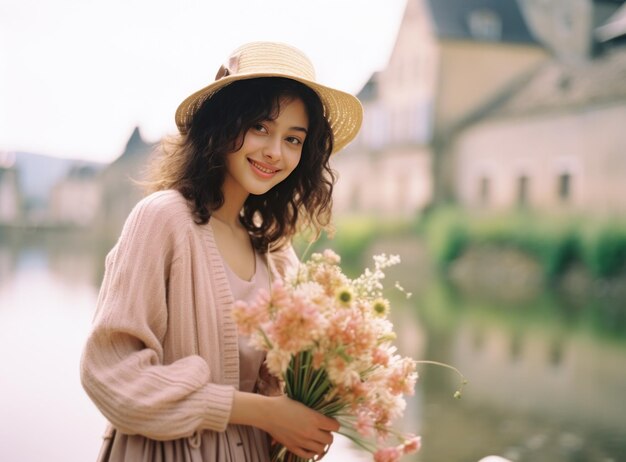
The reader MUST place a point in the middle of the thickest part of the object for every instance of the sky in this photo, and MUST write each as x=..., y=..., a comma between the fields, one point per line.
x=76, y=76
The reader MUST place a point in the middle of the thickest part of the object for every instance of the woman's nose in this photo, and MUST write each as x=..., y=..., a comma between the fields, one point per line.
x=272, y=151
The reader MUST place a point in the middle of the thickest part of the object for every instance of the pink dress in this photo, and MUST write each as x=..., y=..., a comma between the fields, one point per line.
x=241, y=443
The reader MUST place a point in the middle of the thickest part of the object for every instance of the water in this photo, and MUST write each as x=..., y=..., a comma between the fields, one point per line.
x=547, y=376
x=46, y=305
x=542, y=386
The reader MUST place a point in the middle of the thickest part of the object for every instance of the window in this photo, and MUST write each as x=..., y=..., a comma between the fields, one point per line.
x=419, y=118
x=566, y=24
x=485, y=24
x=483, y=190
x=516, y=347
x=556, y=353
x=565, y=187
x=522, y=191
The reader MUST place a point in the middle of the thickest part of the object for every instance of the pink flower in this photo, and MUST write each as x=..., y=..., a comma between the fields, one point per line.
x=380, y=357
x=330, y=278
x=280, y=295
x=277, y=362
x=331, y=257
x=364, y=425
x=318, y=359
x=403, y=377
x=250, y=317
x=413, y=444
x=341, y=373
x=296, y=325
x=391, y=454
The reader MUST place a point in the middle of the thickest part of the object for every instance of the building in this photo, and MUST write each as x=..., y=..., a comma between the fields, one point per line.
x=451, y=59
x=557, y=143
x=9, y=190
x=119, y=183
x=75, y=200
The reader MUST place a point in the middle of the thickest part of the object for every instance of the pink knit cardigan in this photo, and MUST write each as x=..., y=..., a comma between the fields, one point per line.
x=162, y=360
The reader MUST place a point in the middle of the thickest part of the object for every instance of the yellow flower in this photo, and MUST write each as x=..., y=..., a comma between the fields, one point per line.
x=344, y=295
x=381, y=307
x=387, y=337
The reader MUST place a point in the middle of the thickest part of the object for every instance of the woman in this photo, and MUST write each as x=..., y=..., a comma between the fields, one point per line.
x=164, y=363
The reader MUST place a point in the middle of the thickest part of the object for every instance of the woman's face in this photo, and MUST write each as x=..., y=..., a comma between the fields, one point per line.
x=271, y=150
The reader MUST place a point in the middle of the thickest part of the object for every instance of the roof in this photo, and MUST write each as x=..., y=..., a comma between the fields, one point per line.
x=561, y=85
x=84, y=171
x=369, y=92
x=615, y=27
x=463, y=19
x=136, y=148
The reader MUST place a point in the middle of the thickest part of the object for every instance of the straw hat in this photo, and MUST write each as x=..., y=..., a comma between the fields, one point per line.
x=269, y=59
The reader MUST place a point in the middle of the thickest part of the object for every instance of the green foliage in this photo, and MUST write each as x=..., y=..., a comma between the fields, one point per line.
x=555, y=241
x=604, y=248
x=447, y=234
x=353, y=235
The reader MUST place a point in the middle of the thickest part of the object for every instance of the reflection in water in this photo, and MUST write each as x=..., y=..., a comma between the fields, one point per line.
x=540, y=389
x=545, y=384
x=44, y=319
x=556, y=352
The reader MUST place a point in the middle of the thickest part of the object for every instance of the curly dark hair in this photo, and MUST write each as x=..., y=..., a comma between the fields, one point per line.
x=194, y=162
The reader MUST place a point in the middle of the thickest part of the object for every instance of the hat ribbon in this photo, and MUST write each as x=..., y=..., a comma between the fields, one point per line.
x=229, y=68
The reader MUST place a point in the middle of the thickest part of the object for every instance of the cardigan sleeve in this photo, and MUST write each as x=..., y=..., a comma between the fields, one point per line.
x=122, y=366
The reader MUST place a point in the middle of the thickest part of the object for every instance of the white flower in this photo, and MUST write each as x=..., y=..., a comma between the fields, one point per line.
x=309, y=290
x=277, y=361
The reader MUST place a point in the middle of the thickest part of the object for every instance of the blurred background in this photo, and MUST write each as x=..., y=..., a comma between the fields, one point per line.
x=492, y=159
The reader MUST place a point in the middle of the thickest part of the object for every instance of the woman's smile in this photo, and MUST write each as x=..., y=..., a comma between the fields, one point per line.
x=262, y=169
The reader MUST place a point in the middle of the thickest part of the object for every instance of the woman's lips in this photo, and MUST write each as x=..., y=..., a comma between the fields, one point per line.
x=263, y=170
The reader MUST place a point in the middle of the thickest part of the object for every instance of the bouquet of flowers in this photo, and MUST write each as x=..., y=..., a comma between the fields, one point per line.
x=329, y=339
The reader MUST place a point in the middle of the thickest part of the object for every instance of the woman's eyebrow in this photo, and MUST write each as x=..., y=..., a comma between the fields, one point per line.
x=297, y=128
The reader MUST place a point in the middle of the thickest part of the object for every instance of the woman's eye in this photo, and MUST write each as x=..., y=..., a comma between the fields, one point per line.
x=260, y=128
x=293, y=140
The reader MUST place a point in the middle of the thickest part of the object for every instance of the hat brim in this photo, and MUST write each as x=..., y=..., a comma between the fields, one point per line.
x=342, y=110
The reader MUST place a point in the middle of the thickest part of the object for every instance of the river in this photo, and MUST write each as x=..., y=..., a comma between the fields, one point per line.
x=547, y=378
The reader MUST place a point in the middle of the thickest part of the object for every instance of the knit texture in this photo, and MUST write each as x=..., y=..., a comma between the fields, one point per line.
x=162, y=359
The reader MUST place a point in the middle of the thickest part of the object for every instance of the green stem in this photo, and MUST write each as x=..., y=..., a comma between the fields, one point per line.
x=356, y=441
x=308, y=247
x=268, y=343
x=437, y=363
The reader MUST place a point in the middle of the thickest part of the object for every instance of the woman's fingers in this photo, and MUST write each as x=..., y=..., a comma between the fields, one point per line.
x=305, y=453
x=317, y=446
x=321, y=456
x=312, y=451
x=327, y=423
x=323, y=437
x=301, y=430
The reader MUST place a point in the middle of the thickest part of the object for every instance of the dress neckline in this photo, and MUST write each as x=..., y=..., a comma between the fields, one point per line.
x=252, y=280
x=227, y=267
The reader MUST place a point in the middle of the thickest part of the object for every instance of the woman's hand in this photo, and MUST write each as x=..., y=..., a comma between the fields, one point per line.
x=303, y=431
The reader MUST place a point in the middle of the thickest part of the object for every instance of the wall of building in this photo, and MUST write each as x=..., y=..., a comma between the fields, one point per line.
x=572, y=161
x=410, y=71
x=76, y=201
x=396, y=182
x=473, y=73
x=9, y=196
